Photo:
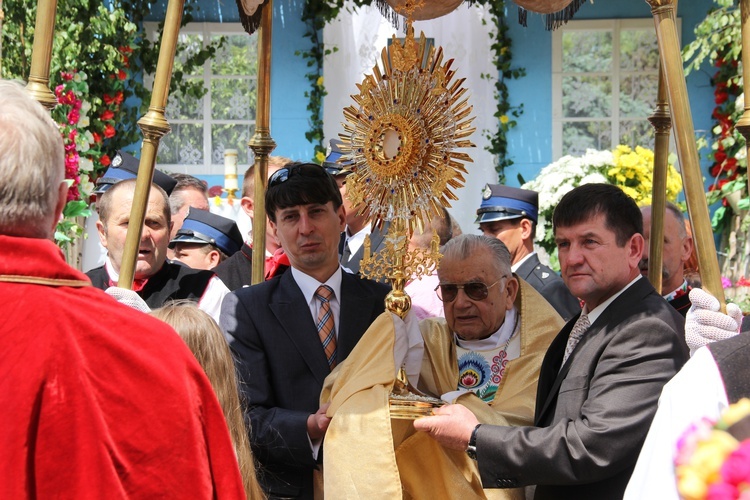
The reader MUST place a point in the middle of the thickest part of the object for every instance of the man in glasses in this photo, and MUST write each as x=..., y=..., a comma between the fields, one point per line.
x=602, y=375
x=289, y=332
x=510, y=214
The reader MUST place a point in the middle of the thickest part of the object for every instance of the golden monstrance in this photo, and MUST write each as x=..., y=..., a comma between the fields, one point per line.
x=401, y=136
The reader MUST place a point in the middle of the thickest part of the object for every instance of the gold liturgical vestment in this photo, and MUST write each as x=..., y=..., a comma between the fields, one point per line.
x=368, y=455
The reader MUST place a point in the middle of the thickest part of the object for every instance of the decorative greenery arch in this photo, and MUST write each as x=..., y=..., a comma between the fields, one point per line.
x=317, y=13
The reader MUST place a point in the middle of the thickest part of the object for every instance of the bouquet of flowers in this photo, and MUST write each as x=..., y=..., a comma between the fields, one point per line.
x=713, y=459
x=632, y=170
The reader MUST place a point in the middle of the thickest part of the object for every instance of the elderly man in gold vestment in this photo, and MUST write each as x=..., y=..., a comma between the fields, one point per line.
x=485, y=354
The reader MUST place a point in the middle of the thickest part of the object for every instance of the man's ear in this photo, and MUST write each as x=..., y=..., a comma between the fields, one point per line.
x=526, y=226
x=512, y=286
x=247, y=205
x=341, y=212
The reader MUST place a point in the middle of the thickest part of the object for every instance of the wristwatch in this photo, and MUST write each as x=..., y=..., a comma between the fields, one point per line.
x=471, y=450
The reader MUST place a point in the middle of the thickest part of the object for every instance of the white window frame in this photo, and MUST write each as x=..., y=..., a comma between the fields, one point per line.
x=614, y=25
x=207, y=30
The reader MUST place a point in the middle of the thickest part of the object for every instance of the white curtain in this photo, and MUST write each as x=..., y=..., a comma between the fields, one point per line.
x=464, y=35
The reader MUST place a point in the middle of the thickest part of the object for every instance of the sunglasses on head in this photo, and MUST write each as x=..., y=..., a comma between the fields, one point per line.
x=305, y=169
x=476, y=290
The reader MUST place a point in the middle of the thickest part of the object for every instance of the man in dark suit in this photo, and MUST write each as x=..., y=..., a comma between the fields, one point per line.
x=278, y=328
x=510, y=214
x=602, y=375
x=358, y=226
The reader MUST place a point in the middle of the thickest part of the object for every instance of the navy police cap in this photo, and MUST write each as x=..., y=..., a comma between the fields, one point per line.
x=501, y=202
x=334, y=164
x=124, y=166
x=205, y=228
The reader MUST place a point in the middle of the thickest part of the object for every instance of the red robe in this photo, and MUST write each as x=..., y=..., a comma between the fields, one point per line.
x=98, y=400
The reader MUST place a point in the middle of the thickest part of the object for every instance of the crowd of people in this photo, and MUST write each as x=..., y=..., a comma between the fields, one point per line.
x=197, y=384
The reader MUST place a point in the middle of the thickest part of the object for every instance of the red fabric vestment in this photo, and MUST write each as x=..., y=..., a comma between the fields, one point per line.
x=99, y=400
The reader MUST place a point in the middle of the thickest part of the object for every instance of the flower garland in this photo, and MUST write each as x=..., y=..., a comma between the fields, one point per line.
x=631, y=170
x=83, y=126
x=713, y=458
x=317, y=13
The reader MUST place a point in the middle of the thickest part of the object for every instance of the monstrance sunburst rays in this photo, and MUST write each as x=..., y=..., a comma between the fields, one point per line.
x=402, y=137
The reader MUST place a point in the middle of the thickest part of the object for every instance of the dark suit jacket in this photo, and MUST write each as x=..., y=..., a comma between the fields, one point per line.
x=237, y=270
x=377, y=242
x=592, y=415
x=551, y=286
x=282, y=366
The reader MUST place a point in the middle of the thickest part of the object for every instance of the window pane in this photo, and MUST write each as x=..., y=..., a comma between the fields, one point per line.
x=233, y=99
x=638, y=95
x=580, y=136
x=639, y=50
x=586, y=96
x=184, y=145
x=238, y=56
x=188, y=45
x=587, y=51
x=184, y=107
x=231, y=137
x=637, y=133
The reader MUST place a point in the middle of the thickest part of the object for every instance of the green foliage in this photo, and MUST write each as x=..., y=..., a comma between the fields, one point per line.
x=319, y=12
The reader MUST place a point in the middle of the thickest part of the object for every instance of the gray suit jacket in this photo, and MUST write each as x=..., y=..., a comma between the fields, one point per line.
x=551, y=286
x=282, y=367
x=592, y=415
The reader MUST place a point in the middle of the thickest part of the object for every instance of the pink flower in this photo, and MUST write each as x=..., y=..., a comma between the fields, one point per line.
x=736, y=468
x=722, y=491
x=725, y=282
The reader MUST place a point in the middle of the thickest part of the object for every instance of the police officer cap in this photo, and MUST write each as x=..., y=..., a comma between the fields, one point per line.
x=124, y=166
x=205, y=228
x=334, y=164
x=501, y=202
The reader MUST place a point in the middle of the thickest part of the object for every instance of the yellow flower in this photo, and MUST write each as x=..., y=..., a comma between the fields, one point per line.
x=736, y=412
x=319, y=82
x=690, y=484
x=320, y=157
x=504, y=119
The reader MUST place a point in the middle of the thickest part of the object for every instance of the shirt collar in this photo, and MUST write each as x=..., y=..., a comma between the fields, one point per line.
x=518, y=264
x=309, y=285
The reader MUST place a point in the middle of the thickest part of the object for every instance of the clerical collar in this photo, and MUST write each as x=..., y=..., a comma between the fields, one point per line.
x=497, y=339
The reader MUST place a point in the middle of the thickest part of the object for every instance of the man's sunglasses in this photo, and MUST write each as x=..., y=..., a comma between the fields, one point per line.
x=305, y=169
x=447, y=292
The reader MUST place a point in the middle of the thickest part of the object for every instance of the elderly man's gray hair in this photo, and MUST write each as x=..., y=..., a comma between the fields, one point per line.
x=464, y=246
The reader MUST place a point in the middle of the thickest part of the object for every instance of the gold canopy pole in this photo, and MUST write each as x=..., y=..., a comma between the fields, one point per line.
x=41, y=55
x=743, y=124
x=662, y=124
x=261, y=143
x=154, y=126
x=669, y=49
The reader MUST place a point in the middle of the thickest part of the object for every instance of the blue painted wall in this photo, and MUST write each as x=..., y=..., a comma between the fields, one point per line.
x=530, y=143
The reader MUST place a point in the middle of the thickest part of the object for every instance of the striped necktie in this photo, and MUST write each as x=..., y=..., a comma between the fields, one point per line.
x=325, y=325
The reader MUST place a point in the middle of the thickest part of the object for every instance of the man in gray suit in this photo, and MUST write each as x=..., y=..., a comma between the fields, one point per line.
x=510, y=214
x=602, y=375
x=289, y=332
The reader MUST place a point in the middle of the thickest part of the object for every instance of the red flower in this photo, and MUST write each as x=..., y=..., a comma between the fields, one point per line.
x=105, y=161
x=715, y=170
x=119, y=97
x=721, y=97
x=122, y=75
x=107, y=115
x=97, y=137
x=720, y=156
x=109, y=131
x=108, y=99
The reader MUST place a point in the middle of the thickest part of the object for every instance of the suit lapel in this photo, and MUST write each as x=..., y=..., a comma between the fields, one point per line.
x=292, y=312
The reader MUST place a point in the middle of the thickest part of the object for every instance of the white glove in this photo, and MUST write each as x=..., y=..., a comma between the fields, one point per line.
x=128, y=297
x=408, y=349
x=705, y=324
